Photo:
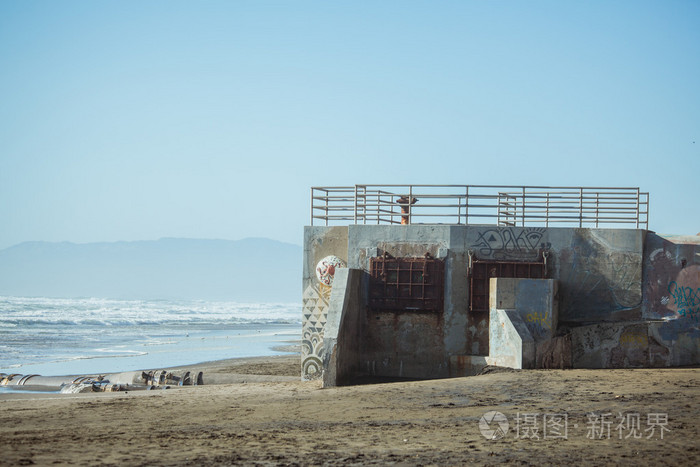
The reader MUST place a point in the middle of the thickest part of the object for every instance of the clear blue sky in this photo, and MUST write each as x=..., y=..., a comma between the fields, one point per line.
x=135, y=120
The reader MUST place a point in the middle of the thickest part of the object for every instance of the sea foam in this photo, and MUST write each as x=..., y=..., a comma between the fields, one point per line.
x=36, y=332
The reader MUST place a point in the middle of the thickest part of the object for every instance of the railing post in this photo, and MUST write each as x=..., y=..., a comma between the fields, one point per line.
x=597, y=205
x=364, y=204
x=355, y=219
x=638, y=207
x=326, y=208
x=523, y=215
x=459, y=209
x=546, y=219
x=312, y=205
x=379, y=206
x=647, y=213
x=466, y=207
x=580, y=207
x=410, y=198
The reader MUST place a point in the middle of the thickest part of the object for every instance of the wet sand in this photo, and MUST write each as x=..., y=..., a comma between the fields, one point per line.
x=259, y=412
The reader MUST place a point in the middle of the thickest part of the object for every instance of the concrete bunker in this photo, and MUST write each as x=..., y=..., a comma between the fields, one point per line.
x=435, y=300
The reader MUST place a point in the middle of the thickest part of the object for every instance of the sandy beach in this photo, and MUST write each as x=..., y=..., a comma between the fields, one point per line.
x=256, y=411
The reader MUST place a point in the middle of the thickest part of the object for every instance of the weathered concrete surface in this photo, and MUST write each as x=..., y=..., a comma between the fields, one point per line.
x=667, y=333
x=598, y=270
x=535, y=300
x=342, y=333
x=634, y=345
x=409, y=344
x=405, y=345
x=614, y=279
x=523, y=313
x=610, y=345
x=512, y=345
x=467, y=365
x=671, y=280
x=671, y=285
x=319, y=242
x=554, y=353
x=676, y=339
x=599, y=273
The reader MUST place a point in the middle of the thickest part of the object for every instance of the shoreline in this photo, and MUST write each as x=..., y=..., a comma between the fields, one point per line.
x=236, y=370
x=134, y=354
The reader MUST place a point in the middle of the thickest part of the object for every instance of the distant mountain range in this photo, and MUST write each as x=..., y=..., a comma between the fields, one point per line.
x=249, y=270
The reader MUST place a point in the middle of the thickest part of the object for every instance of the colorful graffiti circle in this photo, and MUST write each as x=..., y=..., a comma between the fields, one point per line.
x=325, y=269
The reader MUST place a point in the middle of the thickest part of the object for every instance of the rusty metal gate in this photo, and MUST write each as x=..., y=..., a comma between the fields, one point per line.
x=482, y=271
x=406, y=284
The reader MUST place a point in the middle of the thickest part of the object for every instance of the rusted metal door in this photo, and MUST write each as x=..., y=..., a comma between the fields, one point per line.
x=406, y=284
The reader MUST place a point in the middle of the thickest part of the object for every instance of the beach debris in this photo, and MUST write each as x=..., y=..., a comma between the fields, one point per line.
x=163, y=377
x=88, y=385
x=151, y=388
x=6, y=379
x=116, y=382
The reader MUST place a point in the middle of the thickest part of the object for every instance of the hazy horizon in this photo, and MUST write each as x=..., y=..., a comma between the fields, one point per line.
x=151, y=240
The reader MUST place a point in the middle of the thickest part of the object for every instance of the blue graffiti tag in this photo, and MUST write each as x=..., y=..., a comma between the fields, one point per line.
x=686, y=300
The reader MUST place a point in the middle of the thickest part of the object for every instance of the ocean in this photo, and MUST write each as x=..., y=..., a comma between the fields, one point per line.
x=52, y=337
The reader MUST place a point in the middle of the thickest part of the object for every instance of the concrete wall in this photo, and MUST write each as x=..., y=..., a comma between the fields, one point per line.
x=672, y=294
x=523, y=313
x=319, y=242
x=512, y=345
x=342, y=339
x=672, y=279
x=636, y=344
x=663, y=330
x=409, y=344
x=668, y=331
x=618, y=277
x=535, y=300
x=599, y=273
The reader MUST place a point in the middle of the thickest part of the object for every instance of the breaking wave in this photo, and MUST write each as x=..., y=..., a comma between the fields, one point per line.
x=46, y=331
x=19, y=311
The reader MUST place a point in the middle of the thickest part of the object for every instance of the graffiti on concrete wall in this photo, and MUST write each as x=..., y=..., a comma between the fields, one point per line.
x=325, y=269
x=315, y=314
x=600, y=277
x=672, y=281
x=686, y=300
x=510, y=243
x=613, y=278
x=634, y=339
x=540, y=320
x=660, y=270
x=624, y=282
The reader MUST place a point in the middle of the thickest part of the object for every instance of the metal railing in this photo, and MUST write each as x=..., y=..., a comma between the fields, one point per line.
x=480, y=204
